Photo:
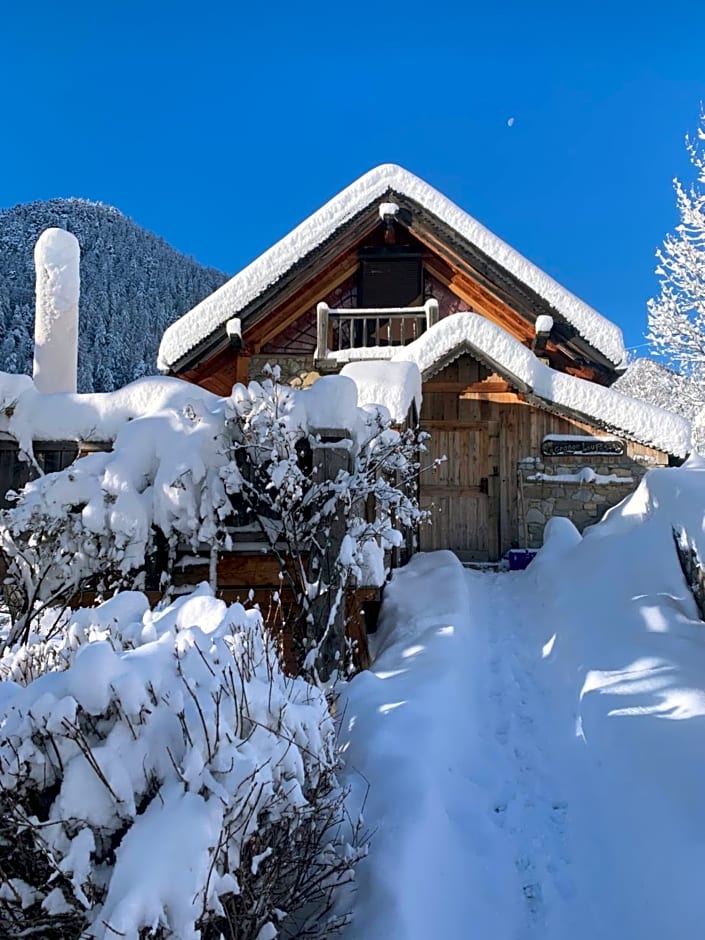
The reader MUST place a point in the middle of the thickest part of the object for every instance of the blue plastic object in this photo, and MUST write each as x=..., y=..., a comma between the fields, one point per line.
x=520, y=558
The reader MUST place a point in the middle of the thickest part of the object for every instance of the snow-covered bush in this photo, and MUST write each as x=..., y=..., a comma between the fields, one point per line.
x=94, y=523
x=199, y=467
x=160, y=777
x=330, y=524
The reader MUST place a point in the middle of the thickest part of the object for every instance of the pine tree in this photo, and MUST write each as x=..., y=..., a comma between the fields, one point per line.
x=677, y=315
x=133, y=285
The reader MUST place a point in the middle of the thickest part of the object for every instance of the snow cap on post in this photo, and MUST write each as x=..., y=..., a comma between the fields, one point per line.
x=56, y=260
x=544, y=324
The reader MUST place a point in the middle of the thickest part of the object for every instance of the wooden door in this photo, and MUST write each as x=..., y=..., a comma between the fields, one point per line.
x=462, y=492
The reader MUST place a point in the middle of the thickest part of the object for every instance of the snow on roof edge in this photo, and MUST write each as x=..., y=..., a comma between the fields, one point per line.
x=195, y=326
x=394, y=385
x=630, y=417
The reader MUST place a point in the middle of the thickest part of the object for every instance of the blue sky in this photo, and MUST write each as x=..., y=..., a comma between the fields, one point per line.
x=220, y=125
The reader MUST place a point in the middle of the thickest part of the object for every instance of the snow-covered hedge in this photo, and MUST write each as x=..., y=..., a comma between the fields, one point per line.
x=160, y=777
x=197, y=466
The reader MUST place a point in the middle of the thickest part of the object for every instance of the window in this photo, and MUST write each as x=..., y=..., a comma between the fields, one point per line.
x=390, y=277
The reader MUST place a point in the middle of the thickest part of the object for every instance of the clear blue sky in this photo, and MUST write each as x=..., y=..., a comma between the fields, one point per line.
x=220, y=126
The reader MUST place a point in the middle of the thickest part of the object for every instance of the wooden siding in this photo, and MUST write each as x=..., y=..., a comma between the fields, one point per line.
x=256, y=578
x=518, y=430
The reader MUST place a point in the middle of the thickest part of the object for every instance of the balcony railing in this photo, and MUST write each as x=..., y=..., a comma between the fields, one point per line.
x=344, y=328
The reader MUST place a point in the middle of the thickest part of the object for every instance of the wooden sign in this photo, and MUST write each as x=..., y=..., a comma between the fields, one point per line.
x=569, y=446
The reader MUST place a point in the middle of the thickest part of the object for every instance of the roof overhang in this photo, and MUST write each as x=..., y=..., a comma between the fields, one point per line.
x=343, y=221
x=563, y=394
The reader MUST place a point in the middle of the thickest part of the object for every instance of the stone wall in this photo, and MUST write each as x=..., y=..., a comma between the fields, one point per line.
x=292, y=367
x=582, y=488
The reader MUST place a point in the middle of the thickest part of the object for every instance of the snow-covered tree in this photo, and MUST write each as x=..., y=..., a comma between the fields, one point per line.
x=677, y=315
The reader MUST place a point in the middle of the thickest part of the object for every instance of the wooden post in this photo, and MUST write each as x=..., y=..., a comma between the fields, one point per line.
x=331, y=454
x=432, y=312
x=322, y=311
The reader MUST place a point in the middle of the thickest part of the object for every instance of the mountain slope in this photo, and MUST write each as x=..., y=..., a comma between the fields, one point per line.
x=133, y=285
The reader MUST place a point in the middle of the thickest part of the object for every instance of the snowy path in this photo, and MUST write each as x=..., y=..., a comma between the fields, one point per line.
x=483, y=825
x=490, y=834
x=533, y=809
x=534, y=742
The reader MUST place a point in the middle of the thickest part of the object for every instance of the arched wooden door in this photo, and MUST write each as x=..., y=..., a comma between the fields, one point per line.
x=463, y=492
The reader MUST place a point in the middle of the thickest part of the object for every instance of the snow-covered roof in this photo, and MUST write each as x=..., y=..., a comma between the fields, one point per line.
x=395, y=385
x=630, y=417
x=29, y=415
x=229, y=300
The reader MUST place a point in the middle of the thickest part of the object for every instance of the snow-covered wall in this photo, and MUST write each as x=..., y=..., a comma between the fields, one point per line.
x=27, y=415
x=57, y=258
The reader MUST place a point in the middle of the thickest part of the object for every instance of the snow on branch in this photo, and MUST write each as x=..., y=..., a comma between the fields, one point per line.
x=200, y=466
x=160, y=776
x=677, y=314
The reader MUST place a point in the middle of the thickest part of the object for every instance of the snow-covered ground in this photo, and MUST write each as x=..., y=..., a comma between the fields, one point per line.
x=534, y=742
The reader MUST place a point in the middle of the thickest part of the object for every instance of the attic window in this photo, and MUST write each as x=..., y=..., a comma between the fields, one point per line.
x=390, y=278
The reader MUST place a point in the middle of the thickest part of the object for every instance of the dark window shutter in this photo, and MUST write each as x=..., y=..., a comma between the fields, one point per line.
x=390, y=281
x=52, y=458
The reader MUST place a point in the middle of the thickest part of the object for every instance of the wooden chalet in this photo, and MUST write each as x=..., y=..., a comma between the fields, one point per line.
x=516, y=370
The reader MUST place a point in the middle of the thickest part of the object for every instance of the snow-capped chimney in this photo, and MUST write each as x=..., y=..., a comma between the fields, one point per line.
x=56, y=260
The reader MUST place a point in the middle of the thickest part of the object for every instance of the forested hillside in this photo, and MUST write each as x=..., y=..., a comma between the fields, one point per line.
x=133, y=285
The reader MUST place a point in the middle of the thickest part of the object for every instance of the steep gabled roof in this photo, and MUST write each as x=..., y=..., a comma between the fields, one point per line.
x=380, y=185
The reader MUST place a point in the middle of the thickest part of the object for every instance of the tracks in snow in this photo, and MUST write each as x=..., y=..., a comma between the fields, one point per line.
x=530, y=808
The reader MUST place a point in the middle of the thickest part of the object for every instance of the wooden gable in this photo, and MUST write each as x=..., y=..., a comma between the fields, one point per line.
x=482, y=495
x=282, y=321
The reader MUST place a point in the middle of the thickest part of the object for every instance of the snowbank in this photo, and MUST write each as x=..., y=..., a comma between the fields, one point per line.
x=237, y=293
x=624, y=652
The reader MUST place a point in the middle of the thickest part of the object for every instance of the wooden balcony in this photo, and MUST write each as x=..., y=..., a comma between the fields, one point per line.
x=346, y=328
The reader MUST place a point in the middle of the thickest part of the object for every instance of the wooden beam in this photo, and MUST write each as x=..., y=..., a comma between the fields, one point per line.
x=480, y=299
x=492, y=383
x=283, y=315
x=502, y=398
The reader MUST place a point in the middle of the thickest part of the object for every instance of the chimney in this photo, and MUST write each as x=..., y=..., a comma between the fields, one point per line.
x=56, y=260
